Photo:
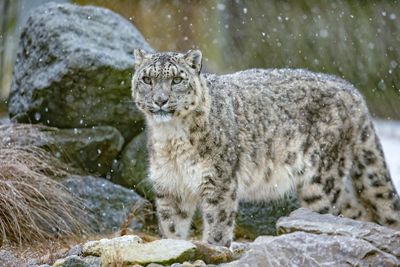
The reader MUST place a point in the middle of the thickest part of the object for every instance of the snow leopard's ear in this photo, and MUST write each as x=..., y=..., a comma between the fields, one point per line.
x=193, y=59
x=140, y=56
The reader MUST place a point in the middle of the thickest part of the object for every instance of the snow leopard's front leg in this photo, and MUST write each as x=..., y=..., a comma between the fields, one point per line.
x=174, y=216
x=219, y=206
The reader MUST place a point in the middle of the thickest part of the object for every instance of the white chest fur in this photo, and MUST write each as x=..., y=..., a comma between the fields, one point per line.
x=175, y=167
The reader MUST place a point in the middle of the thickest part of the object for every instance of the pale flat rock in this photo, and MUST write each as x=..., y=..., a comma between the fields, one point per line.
x=164, y=251
x=385, y=239
x=96, y=248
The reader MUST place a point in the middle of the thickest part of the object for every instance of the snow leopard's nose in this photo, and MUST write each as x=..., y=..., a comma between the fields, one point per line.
x=161, y=100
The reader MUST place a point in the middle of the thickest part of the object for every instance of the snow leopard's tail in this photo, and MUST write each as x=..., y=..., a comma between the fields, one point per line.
x=371, y=178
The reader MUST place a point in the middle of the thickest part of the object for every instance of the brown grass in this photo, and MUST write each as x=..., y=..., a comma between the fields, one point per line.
x=33, y=206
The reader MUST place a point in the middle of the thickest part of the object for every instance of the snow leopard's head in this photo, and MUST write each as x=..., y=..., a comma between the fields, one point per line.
x=167, y=85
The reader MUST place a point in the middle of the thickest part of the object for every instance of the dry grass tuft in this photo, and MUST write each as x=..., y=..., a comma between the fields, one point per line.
x=33, y=206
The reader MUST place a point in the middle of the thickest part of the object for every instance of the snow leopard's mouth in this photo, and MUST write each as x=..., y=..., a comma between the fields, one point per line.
x=162, y=115
x=162, y=112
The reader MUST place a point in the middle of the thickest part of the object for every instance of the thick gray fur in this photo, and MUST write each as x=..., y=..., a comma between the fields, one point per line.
x=256, y=135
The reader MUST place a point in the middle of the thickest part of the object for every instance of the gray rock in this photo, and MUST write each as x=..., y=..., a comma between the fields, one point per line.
x=132, y=169
x=75, y=250
x=76, y=261
x=73, y=69
x=7, y=258
x=385, y=239
x=312, y=239
x=91, y=149
x=4, y=121
x=307, y=249
x=109, y=203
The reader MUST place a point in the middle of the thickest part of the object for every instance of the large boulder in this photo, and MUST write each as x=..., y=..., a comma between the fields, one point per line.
x=73, y=69
x=110, y=204
x=312, y=239
x=306, y=249
x=384, y=238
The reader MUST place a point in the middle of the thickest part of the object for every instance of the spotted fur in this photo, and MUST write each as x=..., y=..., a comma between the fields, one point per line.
x=256, y=135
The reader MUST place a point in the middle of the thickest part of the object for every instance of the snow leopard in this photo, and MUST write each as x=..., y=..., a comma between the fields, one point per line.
x=256, y=135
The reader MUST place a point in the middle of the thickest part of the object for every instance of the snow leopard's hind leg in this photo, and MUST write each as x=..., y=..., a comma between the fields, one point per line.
x=371, y=178
x=329, y=189
x=327, y=186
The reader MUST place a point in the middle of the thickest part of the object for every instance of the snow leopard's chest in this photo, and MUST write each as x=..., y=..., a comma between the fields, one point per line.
x=176, y=167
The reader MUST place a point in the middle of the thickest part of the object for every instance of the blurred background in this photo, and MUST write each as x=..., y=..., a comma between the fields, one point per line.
x=356, y=40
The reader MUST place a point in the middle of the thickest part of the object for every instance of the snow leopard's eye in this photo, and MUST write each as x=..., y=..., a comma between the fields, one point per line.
x=176, y=80
x=146, y=80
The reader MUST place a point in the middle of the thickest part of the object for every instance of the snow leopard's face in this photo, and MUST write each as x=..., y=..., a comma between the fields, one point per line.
x=166, y=85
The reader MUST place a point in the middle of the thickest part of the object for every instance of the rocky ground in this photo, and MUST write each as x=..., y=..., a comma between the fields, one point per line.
x=305, y=238
x=71, y=80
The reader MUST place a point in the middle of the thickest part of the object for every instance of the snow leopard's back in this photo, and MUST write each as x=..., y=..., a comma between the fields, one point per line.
x=295, y=129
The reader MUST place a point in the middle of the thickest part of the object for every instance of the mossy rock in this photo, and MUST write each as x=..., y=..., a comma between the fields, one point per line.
x=73, y=69
x=133, y=165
